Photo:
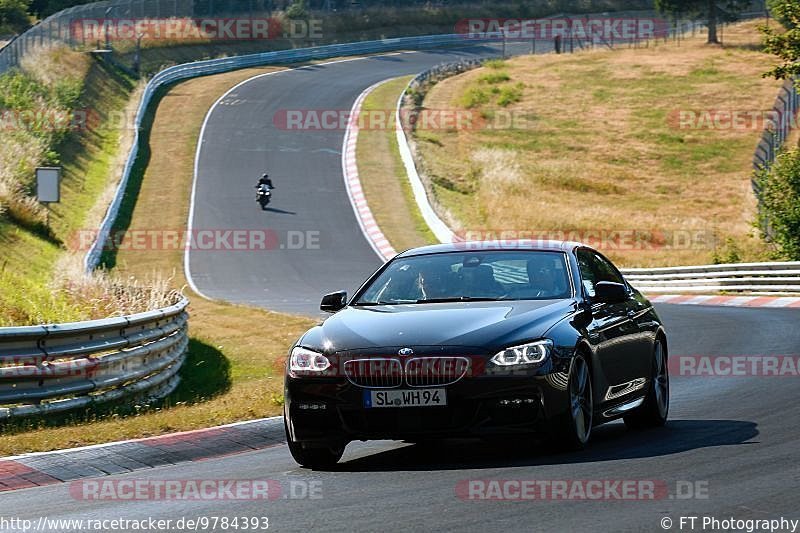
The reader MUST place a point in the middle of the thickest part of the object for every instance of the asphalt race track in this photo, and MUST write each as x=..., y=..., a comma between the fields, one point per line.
x=318, y=246
x=734, y=440
x=736, y=437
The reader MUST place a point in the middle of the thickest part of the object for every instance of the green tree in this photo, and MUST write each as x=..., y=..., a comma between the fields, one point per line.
x=780, y=202
x=14, y=16
x=44, y=8
x=775, y=8
x=712, y=11
x=297, y=10
x=784, y=44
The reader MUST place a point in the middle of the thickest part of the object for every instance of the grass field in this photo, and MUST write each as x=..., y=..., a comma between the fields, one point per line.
x=603, y=148
x=383, y=175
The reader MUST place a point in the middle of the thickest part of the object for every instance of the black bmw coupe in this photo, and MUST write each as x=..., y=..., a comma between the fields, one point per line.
x=477, y=339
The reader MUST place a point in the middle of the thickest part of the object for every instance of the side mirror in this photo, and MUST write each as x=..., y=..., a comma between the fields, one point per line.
x=334, y=301
x=608, y=291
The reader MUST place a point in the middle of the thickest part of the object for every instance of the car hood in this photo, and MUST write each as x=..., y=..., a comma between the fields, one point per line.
x=487, y=325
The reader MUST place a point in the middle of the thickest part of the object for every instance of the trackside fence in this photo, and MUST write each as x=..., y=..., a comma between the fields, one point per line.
x=56, y=368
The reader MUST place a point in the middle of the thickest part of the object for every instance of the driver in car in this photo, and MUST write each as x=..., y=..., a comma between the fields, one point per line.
x=543, y=280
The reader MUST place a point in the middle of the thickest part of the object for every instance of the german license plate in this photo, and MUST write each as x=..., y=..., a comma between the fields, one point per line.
x=405, y=398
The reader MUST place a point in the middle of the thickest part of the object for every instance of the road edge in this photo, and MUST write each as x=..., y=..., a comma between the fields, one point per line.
x=47, y=468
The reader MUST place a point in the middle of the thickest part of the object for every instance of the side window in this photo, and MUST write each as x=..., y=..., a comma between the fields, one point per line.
x=596, y=268
x=607, y=271
x=588, y=272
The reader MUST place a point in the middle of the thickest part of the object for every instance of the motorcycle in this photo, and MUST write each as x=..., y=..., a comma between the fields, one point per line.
x=263, y=195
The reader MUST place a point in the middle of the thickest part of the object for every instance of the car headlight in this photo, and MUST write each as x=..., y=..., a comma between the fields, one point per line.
x=525, y=354
x=307, y=361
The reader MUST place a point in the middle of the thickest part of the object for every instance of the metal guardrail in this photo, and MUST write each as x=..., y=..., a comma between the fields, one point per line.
x=761, y=278
x=60, y=27
x=783, y=119
x=55, y=368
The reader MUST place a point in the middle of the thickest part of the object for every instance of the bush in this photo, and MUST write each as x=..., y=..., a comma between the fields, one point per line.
x=780, y=199
x=13, y=16
x=36, y=103
x=510, y=94
x=729, y=252
x=777, y=8
x=297, y=10
x=474, y=97
x=494, y=63
x=495, y=77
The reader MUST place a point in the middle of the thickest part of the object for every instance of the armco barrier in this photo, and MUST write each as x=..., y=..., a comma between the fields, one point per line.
x=55, y=368
x=760, y=278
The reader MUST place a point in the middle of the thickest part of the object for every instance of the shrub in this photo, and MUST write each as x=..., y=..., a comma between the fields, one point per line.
x=510, y=94
x=13, y=16
x=780, y=203
x=474, y=97
x=36, y=102
x=493, y=77
x=297, y=10
x=729, y=252
x=494, y=63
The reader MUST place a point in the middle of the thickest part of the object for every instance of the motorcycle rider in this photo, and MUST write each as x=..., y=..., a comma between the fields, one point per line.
x=265, y=180
x=263, y=188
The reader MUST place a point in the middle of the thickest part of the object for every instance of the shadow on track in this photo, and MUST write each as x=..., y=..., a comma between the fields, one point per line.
x=609, y=443
x=279, y=211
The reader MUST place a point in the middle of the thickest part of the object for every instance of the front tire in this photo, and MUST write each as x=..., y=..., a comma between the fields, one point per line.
x=314, y=458
x=574, y=428
x=654, y=410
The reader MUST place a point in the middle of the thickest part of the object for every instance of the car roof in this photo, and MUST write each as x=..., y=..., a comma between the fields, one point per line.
x=495, y=245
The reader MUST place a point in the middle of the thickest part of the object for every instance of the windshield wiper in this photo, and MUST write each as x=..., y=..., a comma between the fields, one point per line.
x=458, y=299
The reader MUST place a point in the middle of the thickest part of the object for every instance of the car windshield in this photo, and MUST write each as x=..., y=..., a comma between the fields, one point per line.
x=465, y=276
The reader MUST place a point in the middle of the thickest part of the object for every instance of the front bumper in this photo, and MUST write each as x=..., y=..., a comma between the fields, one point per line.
x=326, y=410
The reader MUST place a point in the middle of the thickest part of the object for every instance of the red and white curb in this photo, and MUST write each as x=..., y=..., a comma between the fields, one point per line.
x=366, y=220
x=732, y=301
x=47, y=468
